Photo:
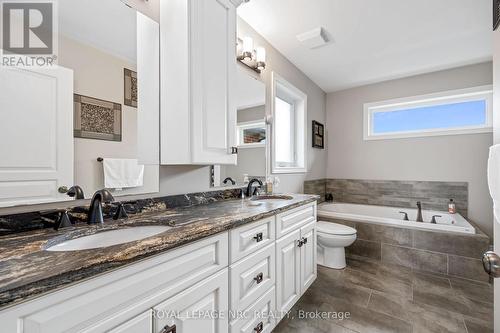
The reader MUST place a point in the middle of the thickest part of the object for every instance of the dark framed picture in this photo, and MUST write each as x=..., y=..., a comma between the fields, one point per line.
x=97, y=119
x=318, y=135
x=130, y=87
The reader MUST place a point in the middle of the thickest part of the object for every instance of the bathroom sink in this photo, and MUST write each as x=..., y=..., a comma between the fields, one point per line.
x=108, y=238
x=272, y=198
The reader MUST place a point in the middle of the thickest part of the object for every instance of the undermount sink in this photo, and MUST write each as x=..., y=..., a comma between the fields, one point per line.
x=272, y=197
x=108, y=238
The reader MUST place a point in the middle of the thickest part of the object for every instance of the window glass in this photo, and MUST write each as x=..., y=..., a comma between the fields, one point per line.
x=445, y=116
x=284, y=134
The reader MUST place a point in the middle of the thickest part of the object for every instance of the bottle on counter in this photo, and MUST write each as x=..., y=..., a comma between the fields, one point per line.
x=269, y=185
x=452, y=209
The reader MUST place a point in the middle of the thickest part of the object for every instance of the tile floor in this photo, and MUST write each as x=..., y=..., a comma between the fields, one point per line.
x=383, y=298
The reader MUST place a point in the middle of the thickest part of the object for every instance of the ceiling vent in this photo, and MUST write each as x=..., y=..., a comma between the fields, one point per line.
x=314, y=39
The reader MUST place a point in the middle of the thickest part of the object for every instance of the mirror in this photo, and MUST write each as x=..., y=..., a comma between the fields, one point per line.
x=251, y=134
x=92, y=119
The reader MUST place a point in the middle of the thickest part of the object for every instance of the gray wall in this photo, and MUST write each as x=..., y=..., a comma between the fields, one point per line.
x=460, y=158
x=182, y=179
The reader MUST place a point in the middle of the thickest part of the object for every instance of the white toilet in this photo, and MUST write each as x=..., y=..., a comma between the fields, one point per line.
x=332, y=240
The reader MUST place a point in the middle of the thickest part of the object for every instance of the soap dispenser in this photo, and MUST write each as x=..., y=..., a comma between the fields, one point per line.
x=452, y=209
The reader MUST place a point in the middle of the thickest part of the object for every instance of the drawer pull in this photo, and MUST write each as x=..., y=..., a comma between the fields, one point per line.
x=259, y=327
x=259, y=278
x=258, y=237
x=169, y=329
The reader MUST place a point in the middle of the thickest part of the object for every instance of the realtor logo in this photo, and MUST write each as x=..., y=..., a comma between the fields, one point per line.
x=28, y=33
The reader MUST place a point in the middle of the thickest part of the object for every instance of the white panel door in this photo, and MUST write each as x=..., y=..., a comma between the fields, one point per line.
x=213, y=78
x=194, y=310
x=36, y=135
x=308, y=267
x=287, y=271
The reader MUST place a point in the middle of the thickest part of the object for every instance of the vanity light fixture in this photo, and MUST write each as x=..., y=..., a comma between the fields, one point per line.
x=253, y=58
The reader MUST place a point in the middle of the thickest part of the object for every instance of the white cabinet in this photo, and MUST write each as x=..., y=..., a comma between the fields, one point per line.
x=142, y=323
x=201, y=308
x=198, y=74
x=288, y=271
x=38, y=117
x=295, y=260
x=308, y=266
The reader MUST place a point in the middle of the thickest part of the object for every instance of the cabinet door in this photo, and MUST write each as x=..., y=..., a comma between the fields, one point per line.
x=36, y=131
x=308, y=268
x=142, y=323
x=213, y=78
x=288, y=271
x=196, y=309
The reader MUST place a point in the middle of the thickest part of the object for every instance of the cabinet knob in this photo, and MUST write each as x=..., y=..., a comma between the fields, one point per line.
x=259, y=327
x=234, y=150
x=258, y=237
x=169, y=329
x=259, y=278
x=304, y=240
x=300, y=242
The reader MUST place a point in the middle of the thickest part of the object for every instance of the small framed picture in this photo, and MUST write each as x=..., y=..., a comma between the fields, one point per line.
x=97, y=119
x=318, y=135
x=130, y=87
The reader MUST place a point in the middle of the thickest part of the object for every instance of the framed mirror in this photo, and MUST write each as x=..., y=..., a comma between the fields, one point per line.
x=91, y=119
x=251, y=134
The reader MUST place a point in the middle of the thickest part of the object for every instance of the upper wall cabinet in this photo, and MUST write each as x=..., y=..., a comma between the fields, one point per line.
x=198, y=75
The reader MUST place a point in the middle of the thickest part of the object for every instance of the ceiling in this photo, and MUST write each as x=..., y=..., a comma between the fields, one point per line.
x=107, y=25
x=375, y=40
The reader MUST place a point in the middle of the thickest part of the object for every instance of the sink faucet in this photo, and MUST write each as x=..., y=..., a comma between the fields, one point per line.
x=250, y=188
x=419, y=212
x=95, y=210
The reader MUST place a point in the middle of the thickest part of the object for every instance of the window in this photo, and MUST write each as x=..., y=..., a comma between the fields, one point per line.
x=462, y=111
x=251, y=134
x=289, y=128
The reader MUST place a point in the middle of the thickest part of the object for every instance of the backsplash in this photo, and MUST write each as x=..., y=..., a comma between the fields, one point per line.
x=433, y=195
x=317, y=186
x=15, y=223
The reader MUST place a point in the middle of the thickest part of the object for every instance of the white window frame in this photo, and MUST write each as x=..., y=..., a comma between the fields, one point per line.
x=446, y=97
x=298, y=99
x=247, y=125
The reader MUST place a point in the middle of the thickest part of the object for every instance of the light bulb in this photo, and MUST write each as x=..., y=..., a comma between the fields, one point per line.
x=261, y=54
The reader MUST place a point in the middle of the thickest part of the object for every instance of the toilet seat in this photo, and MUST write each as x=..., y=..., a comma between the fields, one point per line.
x=334, y=228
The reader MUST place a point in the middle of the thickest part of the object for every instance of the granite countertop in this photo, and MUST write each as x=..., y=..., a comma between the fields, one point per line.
x=27, y=271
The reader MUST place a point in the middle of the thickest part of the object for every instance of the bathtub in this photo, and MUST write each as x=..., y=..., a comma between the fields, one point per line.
x=391, y=216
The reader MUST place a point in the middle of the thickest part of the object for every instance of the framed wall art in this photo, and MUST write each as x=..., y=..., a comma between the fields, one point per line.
x=318, y=135
x=97, y=119
x=130, y=88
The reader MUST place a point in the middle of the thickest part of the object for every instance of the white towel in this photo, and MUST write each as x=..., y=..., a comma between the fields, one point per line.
x=121, y=172
x=494, y=179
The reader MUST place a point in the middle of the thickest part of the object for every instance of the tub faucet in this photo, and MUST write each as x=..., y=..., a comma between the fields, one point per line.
x=419, y=212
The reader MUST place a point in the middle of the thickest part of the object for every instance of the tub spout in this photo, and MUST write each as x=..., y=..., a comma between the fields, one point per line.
x=419, y=212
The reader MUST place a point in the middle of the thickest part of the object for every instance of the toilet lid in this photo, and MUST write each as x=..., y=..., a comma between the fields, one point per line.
x=334, y=228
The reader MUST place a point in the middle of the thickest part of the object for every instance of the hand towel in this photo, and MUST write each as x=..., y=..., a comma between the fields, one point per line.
x=121, y=172
x=494, y=179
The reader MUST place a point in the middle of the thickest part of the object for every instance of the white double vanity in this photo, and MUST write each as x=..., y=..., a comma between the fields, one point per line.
x=241, y=280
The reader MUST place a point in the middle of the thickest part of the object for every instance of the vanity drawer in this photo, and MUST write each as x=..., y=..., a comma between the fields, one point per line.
x=249, y=238
x=251, y=277
x=295, y=218
x=258, y=315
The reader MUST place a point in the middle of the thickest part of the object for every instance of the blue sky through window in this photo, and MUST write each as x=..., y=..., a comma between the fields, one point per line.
x=452, y=115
